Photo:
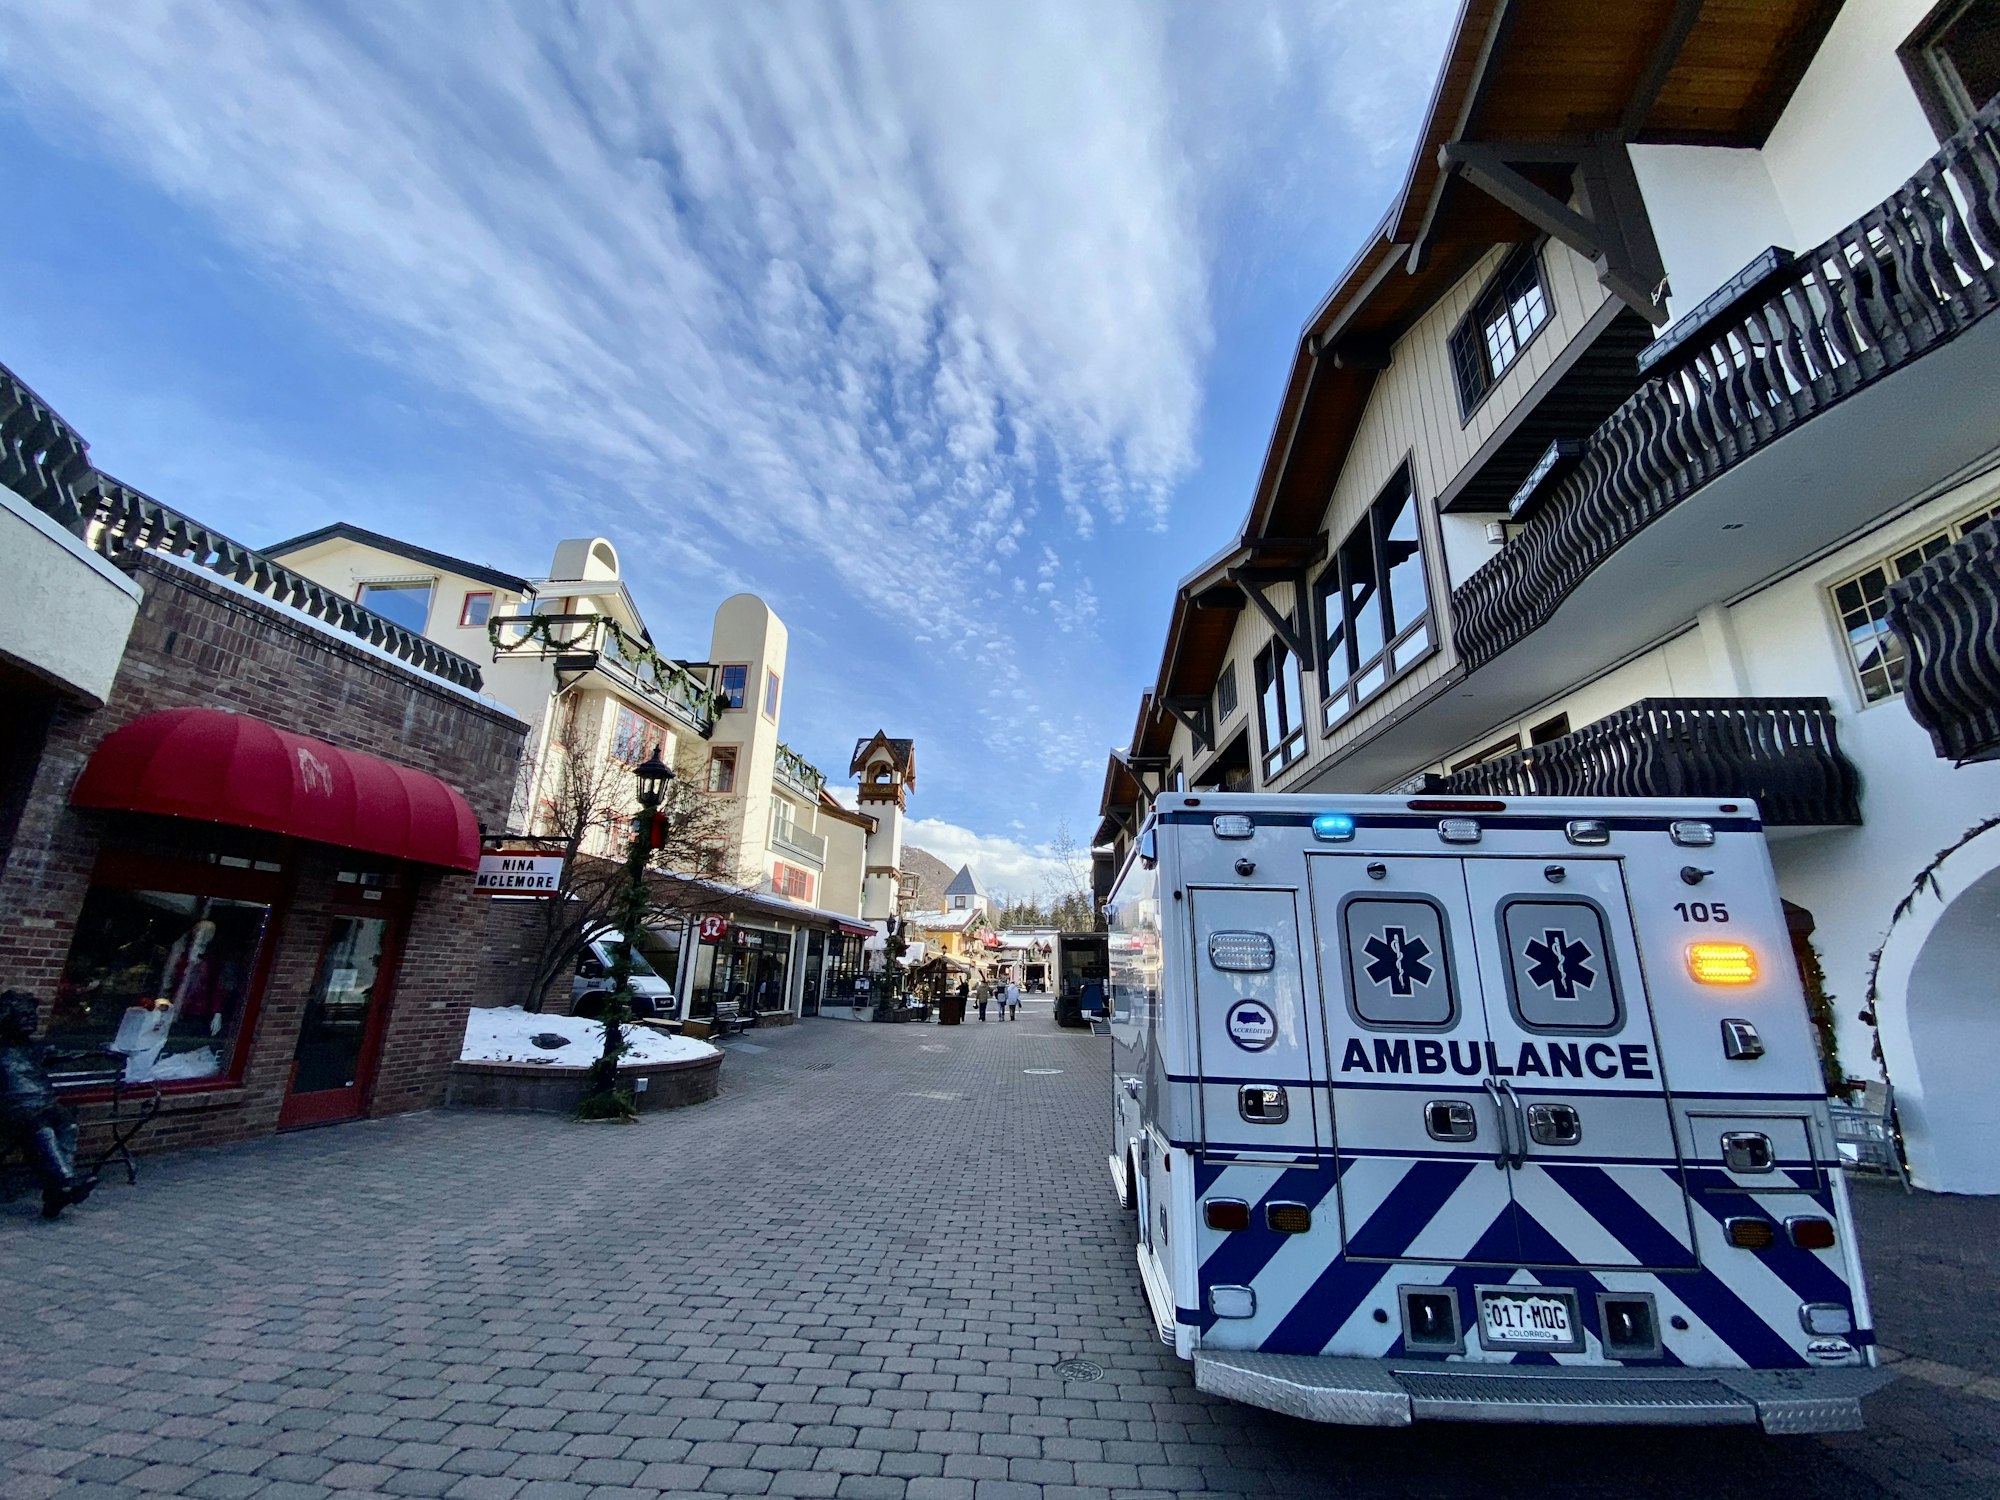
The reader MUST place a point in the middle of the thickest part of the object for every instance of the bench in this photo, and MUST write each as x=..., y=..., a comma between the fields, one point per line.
x=132, y=1110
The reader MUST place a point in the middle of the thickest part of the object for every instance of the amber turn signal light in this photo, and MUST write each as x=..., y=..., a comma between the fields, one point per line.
x=1721, y=963
x=1226, y=1213
x=1811, y=1234
x=1751, y=1234
x=1289, y=1218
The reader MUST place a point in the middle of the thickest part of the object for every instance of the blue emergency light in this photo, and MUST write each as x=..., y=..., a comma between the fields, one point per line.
x=1333, y=828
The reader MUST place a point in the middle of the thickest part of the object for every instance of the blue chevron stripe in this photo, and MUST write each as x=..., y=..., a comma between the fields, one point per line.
x=1342, y=1287
x=1242, y=1254
x=1801, y=1270
x=1727, y=1316
x=1206, y=1173
x=1629, y=1221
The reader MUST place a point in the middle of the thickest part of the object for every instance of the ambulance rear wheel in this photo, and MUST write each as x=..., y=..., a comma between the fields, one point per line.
x=1128, y=1193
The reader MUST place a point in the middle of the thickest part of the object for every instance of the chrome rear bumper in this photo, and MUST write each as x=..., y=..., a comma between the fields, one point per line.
x=1391, y=1393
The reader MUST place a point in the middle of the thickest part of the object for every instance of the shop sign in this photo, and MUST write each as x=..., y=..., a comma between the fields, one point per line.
x=714, y=929
x=519, y=874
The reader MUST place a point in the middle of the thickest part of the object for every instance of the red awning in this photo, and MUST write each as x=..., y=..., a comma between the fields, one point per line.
x=219, y=767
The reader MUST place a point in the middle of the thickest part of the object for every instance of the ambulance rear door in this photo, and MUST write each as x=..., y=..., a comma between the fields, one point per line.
x=1417, y=1126
x=1597, y=1176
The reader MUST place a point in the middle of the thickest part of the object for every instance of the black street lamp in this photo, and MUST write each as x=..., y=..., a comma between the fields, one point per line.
x=603, y=1098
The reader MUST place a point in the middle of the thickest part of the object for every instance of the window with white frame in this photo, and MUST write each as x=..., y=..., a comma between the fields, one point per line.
x=1281, y=722
x=1509, y=312
x=1225, y=693
x=1862, y=602
x=1374, y=604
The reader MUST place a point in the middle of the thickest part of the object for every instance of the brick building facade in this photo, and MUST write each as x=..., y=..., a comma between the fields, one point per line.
x=74, y=877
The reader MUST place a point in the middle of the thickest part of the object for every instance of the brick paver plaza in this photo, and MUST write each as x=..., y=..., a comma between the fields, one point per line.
x=853, y=1276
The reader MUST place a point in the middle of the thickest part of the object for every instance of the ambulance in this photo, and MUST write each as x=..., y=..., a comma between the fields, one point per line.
x=1480, y=1110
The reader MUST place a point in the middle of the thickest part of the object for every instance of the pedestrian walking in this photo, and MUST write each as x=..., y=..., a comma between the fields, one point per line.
x=1013, y=1001
x=982, y=1003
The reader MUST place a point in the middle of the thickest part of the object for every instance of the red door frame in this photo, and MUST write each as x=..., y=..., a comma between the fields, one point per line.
x=337, y=1106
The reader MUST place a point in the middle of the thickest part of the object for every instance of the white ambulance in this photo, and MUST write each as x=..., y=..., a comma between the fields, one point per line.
x=1433, y=1107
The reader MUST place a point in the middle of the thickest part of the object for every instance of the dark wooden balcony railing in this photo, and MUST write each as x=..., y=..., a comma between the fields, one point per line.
x=1902, y=279
x=41, y=457
x=119, y=520
x=1780, y=751
x=1948, y=615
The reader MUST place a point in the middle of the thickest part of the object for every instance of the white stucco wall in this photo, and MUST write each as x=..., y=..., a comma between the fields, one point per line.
x=68, y=612
x=1852, y=134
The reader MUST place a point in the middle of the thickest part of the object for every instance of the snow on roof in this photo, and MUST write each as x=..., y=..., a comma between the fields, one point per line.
x=942, y=921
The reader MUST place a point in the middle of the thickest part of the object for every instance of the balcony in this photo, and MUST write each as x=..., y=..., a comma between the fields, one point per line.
x=797, y=774
x=580, y=643
x=1782, y=752
x=788, y=838
x=1899, y=284
x=1948, y=615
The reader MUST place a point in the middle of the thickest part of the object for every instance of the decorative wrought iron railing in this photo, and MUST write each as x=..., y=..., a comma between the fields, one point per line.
x=118, y=520
x=1902, y=279
x=42, y=459
x=659, y=679
x=1782, y=752
x=1948, y=615
x=798, y=773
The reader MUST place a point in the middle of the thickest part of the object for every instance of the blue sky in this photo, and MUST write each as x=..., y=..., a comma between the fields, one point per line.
x=956, y=330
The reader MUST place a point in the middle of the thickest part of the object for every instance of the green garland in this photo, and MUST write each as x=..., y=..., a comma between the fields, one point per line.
x=671, y=677
x=1819, y=1008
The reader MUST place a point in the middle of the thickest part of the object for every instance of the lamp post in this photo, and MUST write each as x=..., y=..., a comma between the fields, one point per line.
x=602, y=1095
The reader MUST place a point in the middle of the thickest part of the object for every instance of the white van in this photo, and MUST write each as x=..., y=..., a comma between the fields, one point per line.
x=653, y=997
x=1485, y=1110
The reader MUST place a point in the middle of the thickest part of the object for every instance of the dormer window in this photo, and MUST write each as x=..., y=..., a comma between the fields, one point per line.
x=402, y=601
x=1508, y=313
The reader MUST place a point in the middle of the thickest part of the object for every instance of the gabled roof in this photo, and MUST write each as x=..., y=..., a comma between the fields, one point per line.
x=964, y=883
x=902, y=755
x=347, y=531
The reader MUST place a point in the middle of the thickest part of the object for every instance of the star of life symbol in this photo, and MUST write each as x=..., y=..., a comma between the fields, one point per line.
x=1398, y=961
x=1556, y=963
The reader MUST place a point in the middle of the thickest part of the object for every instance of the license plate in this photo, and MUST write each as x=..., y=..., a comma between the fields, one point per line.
x=1528, y=1318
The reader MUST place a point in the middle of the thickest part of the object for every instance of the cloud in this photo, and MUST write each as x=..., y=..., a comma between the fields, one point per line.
x=1006, y=867
x=858, y=305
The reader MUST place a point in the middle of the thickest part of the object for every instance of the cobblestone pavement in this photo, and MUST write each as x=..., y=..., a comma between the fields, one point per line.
x=853, y=1276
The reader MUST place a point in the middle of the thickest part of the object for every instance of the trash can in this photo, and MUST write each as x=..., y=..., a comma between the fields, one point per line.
x=951, y=1010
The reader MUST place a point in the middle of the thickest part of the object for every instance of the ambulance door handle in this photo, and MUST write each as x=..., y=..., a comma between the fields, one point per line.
x=1131, y=1087
x=1521, y=1131
x=1503, y=1126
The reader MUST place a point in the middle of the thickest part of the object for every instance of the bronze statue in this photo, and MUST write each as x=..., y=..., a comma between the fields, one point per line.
x=31, y=1115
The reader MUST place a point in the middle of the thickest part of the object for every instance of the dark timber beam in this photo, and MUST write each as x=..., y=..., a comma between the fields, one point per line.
x=1613, y=233
x=1253, y=582
x=1192, y=712
x=1358, y=353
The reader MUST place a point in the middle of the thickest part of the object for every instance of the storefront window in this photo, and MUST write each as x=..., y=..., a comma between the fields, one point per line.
x=161, y=978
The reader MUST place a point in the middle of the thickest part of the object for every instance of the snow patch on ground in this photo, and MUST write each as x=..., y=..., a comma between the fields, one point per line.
x=503, y=1035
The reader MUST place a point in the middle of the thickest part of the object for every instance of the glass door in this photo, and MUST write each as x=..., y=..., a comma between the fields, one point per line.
x=341, y=1034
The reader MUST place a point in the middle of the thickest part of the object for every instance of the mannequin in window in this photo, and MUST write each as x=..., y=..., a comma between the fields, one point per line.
x=30, y=1114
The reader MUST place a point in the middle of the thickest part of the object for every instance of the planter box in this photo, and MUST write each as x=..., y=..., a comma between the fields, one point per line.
x=548, y=1090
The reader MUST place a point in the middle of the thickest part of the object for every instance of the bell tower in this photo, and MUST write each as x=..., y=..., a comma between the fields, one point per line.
x=887, y=770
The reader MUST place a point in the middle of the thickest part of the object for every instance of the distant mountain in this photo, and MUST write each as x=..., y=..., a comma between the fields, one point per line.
x=931, y=876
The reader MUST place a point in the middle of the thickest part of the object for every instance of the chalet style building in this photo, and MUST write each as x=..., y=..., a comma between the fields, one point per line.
x=781, y=863
x=1646, y=447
